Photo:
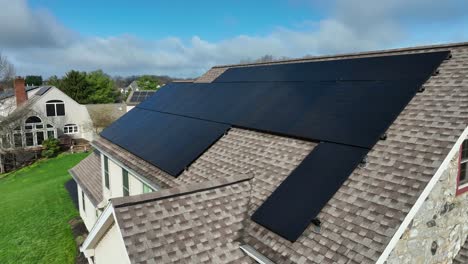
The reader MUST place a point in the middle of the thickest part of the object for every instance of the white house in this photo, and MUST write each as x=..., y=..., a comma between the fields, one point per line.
x=405, y=202
x=42, y=112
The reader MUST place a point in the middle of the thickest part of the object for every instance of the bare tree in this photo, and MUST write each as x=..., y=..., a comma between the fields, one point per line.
x=7, y=71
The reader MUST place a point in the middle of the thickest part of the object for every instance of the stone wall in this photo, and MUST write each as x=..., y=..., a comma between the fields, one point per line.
x=439, y=228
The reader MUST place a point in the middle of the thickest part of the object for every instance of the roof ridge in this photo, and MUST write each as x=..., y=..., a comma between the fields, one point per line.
x=350, y=54
x=179, y=191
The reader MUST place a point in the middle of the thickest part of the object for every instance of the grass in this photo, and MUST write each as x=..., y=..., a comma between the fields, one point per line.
x=34, y=212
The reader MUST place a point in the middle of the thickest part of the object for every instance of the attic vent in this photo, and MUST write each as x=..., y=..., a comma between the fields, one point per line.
x=255, y=255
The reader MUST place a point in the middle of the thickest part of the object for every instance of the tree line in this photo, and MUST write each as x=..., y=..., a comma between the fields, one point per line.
x=97, y=87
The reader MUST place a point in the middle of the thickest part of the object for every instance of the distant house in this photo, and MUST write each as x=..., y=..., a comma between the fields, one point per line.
x=136, y=97
x=353, y=158
x=40, y=113
x=29, y=115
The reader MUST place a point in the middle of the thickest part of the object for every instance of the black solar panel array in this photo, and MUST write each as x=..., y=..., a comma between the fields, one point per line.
x=43, y=90
x=344, y=104
x=325, y=111
x=396, y=67
x=168, y=141
x=289, y=209
x=141, y=96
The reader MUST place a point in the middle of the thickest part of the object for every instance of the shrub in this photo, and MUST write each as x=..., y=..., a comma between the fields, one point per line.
x=51, y=147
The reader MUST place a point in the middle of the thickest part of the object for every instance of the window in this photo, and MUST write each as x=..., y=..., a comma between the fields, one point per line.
x=462, y=181
x=39, y=137
x=55, y=108
x=6, y=143
x=50, y=131
x=70, y=129
x=125, y=182
x=106, y=172
x=18, y=139
x=33, y=121
x=146, y=188
x=50, y=134
x=83, y=203
x=29, y=139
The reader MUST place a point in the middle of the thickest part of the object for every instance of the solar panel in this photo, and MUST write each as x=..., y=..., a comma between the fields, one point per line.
x=354, y=113
x=140, y=96
x=344, y=104
x=395, y=67
x=169, y=142
x=43, y=90
x=299, y=198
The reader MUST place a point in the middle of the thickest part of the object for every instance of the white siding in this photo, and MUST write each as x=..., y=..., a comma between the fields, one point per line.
x=136, y=186
x=75, y=113
x=111, y=248
x=88, y=216
x=116, y=181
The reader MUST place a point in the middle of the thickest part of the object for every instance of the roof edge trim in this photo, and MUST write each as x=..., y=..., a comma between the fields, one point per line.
x=179, y=191
x=85, y=190
x=143, y=179
x=420, y=201
x=350, y=55
x=99, y=229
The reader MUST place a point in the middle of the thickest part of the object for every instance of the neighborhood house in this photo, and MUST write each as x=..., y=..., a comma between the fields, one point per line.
x=353, y=158
x=38, y=113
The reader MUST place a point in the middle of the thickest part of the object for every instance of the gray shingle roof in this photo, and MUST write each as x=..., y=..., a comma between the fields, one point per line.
x=199, y=223
x=11, y=92
x=88, y=175
x=360, y=219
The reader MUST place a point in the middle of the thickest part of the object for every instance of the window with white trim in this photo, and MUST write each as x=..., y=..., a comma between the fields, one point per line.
x=462, y=180
x=55, y=108
x=83, y=202
x=70, y=129
x=126, y=189
x=106, y=172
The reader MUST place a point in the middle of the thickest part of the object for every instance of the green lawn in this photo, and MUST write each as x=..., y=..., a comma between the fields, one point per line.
x=34, y=212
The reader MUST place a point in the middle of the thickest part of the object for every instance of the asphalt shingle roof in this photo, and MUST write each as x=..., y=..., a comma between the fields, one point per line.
x=203, y=221
x=361, y=218
x=88, y=176
x=11, y=92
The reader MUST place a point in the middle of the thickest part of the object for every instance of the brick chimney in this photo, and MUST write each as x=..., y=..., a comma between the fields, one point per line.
x=20, y=91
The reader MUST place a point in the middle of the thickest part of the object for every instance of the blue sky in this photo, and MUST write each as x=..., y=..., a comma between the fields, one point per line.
x=211, y=20
x=186, y=38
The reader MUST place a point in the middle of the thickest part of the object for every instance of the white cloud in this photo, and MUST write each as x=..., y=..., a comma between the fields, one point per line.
x=20, y=26
x=38, y=44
